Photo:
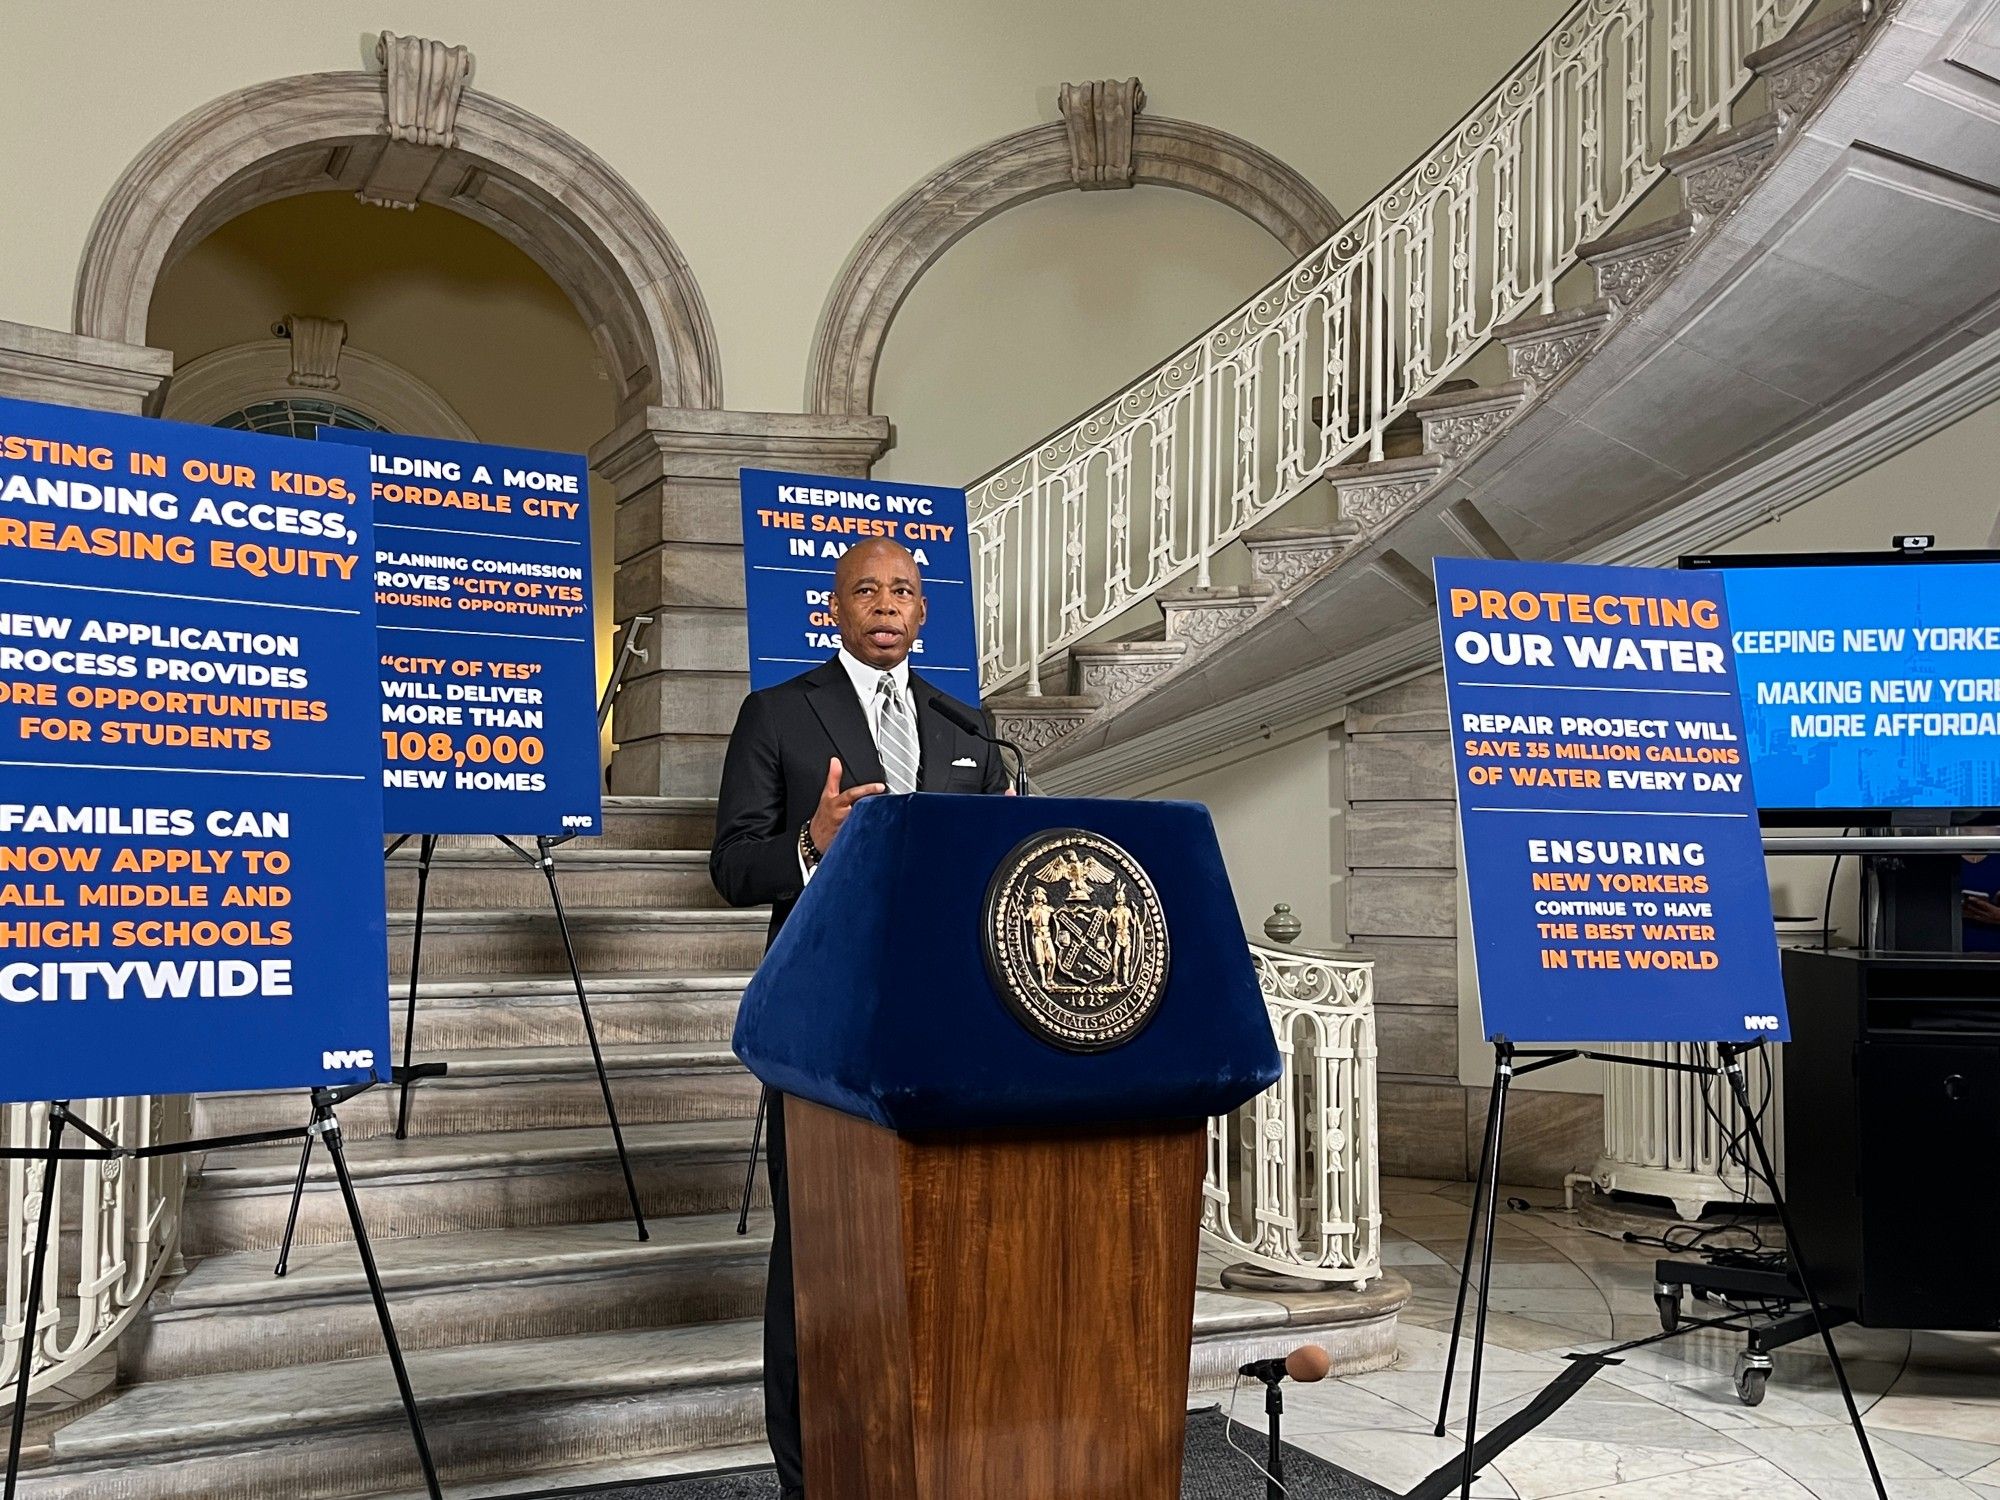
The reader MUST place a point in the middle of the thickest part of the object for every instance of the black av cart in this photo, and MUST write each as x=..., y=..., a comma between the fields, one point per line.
x=1892, y=1124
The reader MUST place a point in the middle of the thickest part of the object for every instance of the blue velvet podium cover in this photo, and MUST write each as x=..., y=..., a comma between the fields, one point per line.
x=875, y=999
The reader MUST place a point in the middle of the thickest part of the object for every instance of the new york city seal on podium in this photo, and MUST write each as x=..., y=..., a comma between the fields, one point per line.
x=1076, y=939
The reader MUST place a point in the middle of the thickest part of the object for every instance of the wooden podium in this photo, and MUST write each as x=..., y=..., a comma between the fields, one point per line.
x=997, y=1314
x=994, y=1236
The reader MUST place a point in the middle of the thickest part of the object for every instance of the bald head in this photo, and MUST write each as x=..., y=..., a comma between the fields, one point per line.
x=878, y=601
x=877, y=555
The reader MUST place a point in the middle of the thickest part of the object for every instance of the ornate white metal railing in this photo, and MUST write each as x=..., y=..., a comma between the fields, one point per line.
x=1294, y=1177
x=116, y=1227
x=1669, y=1135
x=1310, y=372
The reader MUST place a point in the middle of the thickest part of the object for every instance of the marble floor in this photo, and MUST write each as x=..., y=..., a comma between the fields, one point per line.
x=1665, y=1425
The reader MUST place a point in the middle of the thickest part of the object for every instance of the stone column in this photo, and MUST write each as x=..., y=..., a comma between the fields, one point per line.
x=680, y=560
x=1402, y=910
x=66, y=369
x=1403, y=905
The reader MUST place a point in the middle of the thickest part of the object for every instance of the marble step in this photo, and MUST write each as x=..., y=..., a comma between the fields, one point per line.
x=589, y=1477
x=1456, y=422
x=1201, y=617
x=478, y=1012
x=1112, y=671
x=1284, y=556
x=523, y=1088
x=430, y=1185
x=1716, y=171
x=1798, y=68
x=1404, y=436
x=497, y=1413
x=1373, y=496
x=448, y=1291
x=492, y=1411
x=1541, y=346
x=633, y=823
x=495, y=878
x=607, y=941
x=1037, y=721
x=1629, y=260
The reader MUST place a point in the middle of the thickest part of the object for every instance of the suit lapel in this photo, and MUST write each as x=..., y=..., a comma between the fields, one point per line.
x=831, y=694
x=934, y=738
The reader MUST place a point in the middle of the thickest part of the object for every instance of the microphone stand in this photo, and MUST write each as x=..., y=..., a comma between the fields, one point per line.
x=1020, y=765
x=1274, y=1412
x=975, y=725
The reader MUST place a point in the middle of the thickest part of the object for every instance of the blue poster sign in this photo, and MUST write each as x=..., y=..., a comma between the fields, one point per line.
x=1613, y=860
x=796, y=526
x=488, y=662
x=191, y=892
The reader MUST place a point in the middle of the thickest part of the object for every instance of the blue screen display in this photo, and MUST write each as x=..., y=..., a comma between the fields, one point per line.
x=1870, y=685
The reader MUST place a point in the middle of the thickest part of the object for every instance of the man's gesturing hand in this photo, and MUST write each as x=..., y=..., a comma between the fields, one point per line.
x=835, y=805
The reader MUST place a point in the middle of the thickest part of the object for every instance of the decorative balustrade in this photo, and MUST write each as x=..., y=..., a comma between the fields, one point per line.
x=1309, y=373
x=116, y=1227
x=1294, y=1180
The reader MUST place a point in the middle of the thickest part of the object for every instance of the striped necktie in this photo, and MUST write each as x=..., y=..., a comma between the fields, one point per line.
x=896, y=736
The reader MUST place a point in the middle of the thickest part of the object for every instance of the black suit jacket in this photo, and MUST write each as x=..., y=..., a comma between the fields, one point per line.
x=776, y=769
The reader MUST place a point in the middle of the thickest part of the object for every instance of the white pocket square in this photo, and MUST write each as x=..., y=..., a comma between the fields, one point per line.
x=965, y=760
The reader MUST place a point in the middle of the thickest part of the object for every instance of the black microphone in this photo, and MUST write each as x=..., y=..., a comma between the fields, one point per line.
x=1304, y=1364
x=961, y=718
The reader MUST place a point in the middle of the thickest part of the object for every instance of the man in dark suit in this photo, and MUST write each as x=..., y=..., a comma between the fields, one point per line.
x=801, y=755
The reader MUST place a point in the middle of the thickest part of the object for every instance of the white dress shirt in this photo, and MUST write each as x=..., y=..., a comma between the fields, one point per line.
x=865, y=678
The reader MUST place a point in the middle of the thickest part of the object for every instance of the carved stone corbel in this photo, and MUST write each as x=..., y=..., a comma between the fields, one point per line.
x=422, y=84
x=316, y=346
x=1100, y=118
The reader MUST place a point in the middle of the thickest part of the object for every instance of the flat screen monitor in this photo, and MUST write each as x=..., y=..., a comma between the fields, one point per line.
x=1870, y=683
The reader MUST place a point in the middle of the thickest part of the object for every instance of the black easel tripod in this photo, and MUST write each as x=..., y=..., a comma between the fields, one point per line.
x=1511, y=1062
x=407, y=1073
x=324, y=1124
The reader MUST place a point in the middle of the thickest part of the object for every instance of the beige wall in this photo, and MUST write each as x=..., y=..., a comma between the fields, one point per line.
x=1948, y=484
x=767, y=138
x=1277, y=810
x=1049, y=308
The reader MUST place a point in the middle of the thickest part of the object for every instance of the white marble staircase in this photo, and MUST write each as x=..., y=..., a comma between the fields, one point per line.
x=1428, y=447
x=546, y=1343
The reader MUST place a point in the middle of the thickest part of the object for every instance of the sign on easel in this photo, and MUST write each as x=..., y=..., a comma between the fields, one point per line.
x=488, y=662
x=1613, y=861
x=796, y=526
x=190, y=827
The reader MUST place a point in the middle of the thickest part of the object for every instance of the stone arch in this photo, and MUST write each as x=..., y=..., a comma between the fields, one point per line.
x=936, y=213
x=476, y=155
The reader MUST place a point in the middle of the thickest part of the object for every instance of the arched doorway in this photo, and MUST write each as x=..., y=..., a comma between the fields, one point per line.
x=414, y=137
x=520, y=176
x=1018, y=169
x=317, y=309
